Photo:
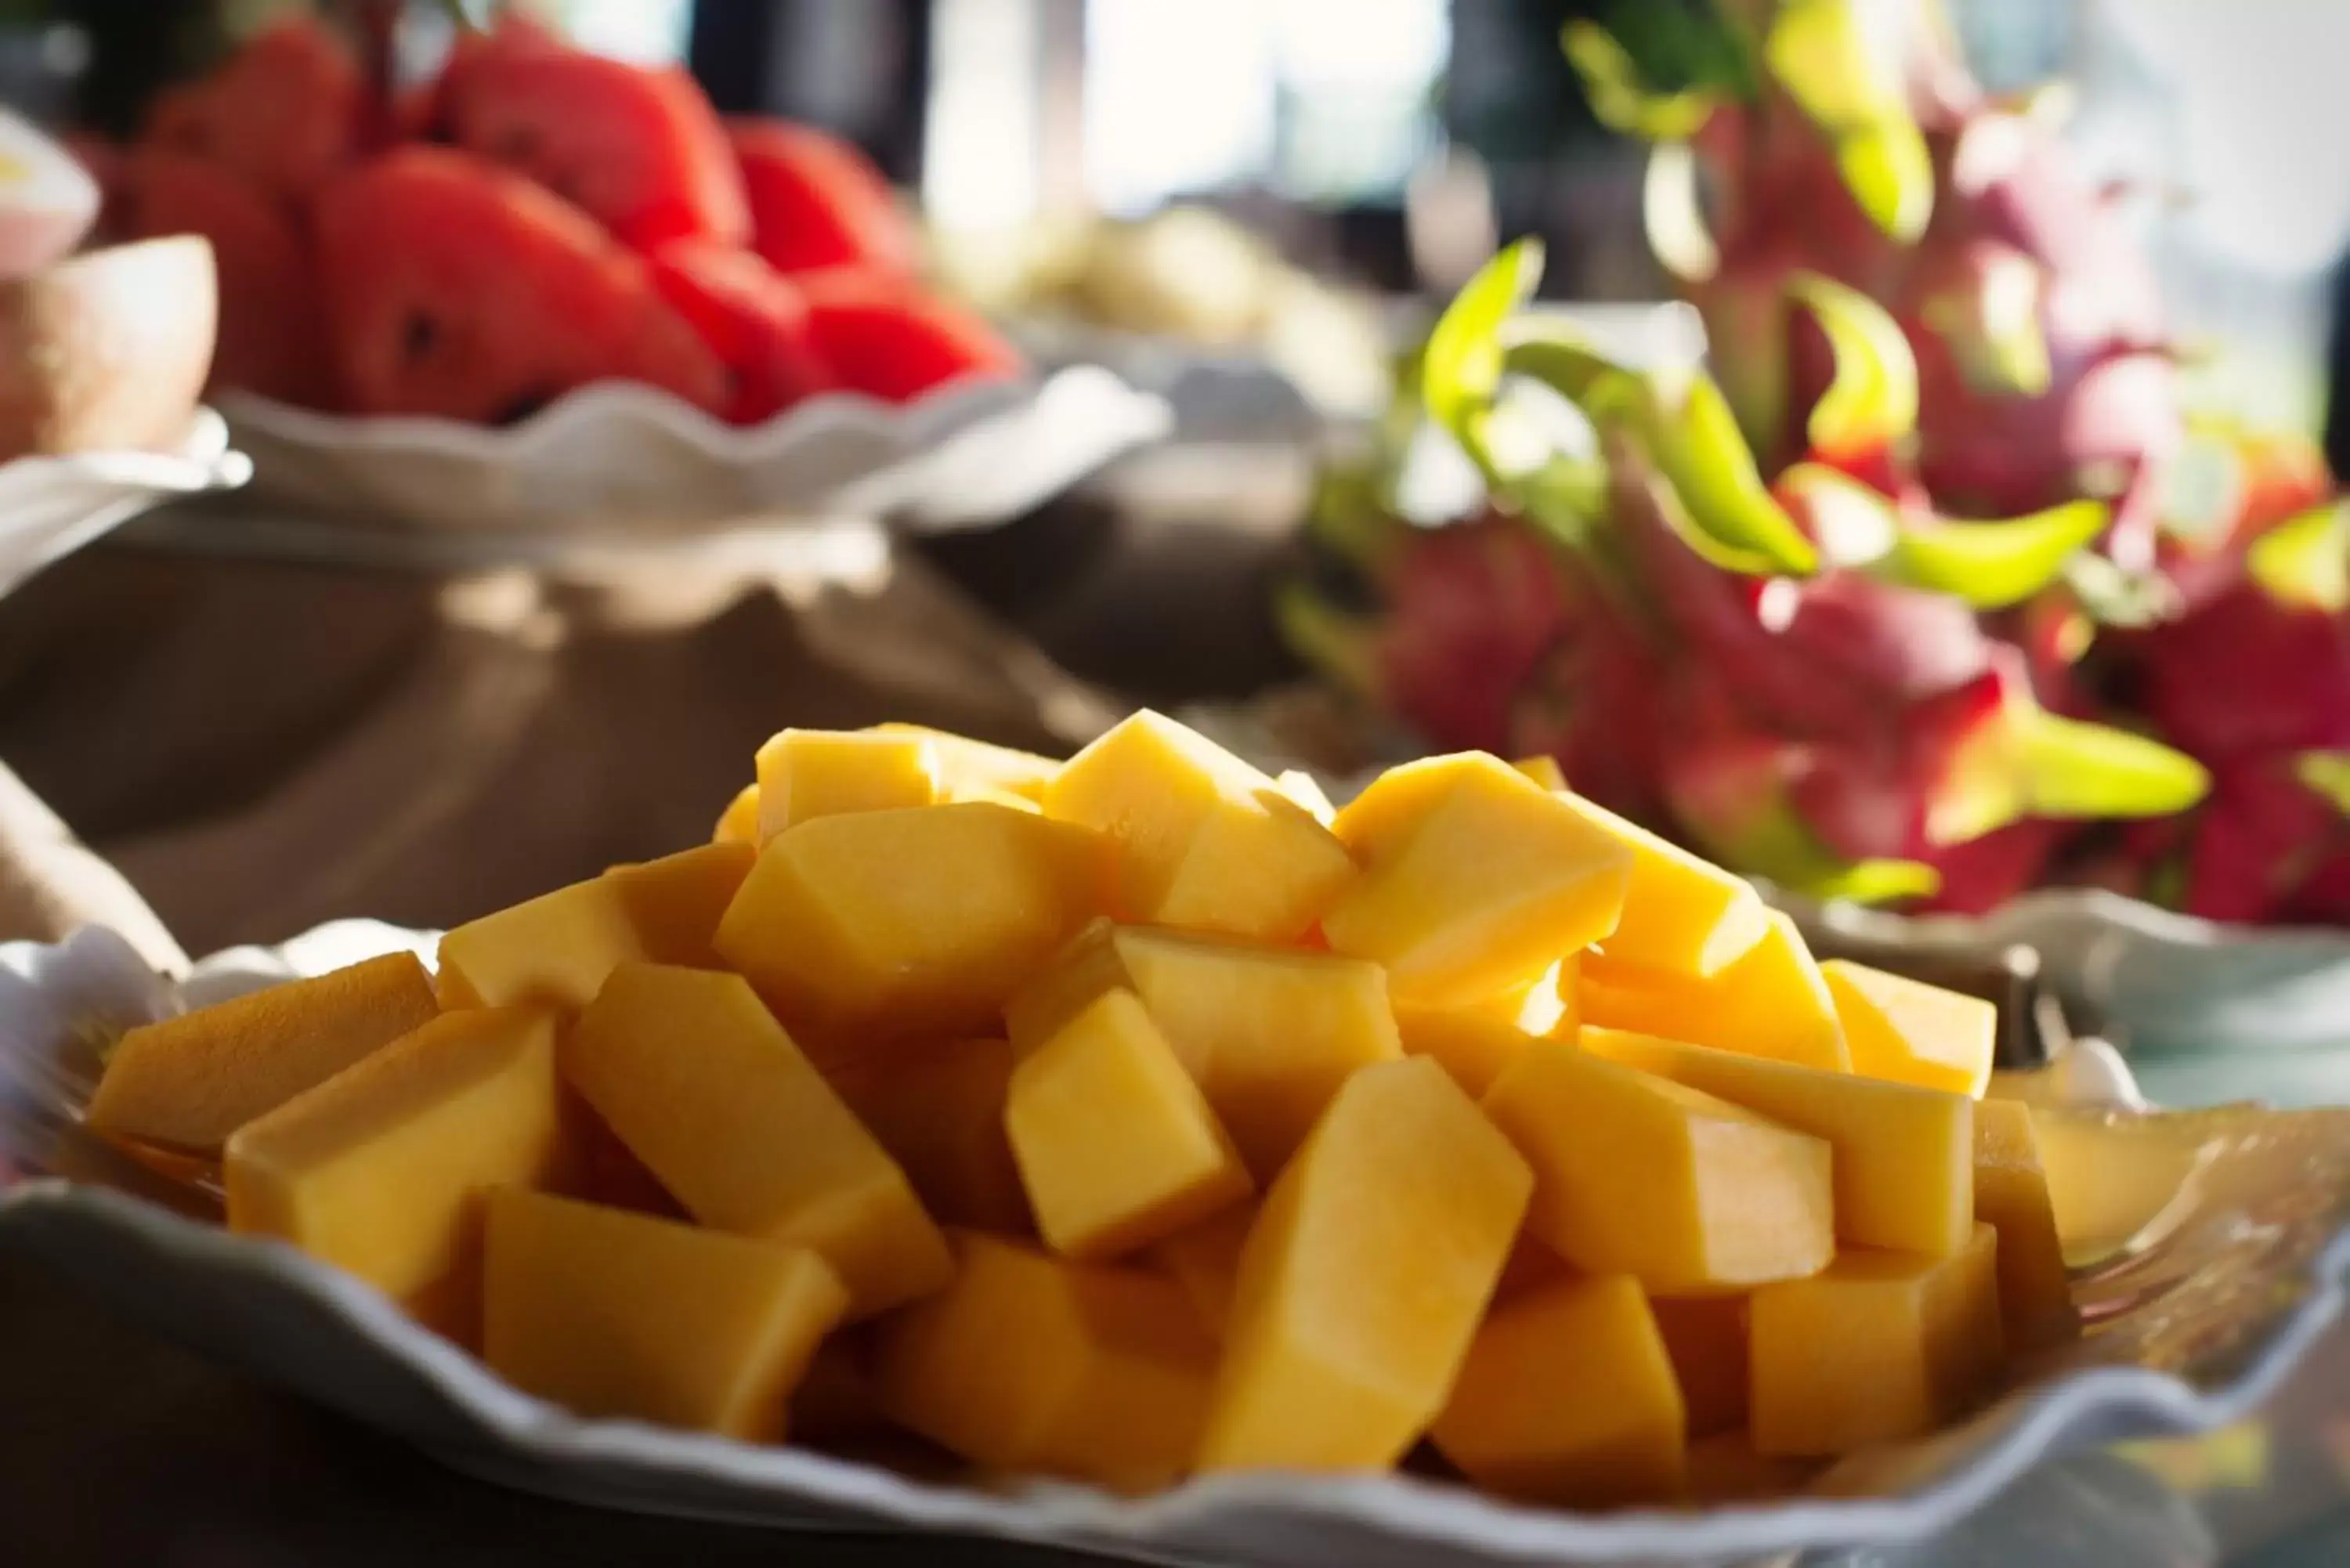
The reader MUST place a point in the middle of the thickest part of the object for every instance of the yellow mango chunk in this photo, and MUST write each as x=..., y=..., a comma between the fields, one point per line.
x=1033, y=1364
x=1705, y=1338
x=1269, y=1036
x=1682, y=913
x=1471, y=1043
x=881, y=924
x=938, y=1110
x=380, y=1169
x=1908, y=1032
x=1205, y=1260
x=1772, y=1001
x=677, y=901
x=1903, y=1156
x=1543, y=771
x=554, y=951
x=739, y=823
x=1877, y=1347
x=975, y=770
x=1307, y=791
x=1116, y=1145
x=808, y=774
x=1206, y=842
x=1635, y=1174
x=1481, y=891
x=611, y=1314
x=1725, y=1468
x=1363, y=1281
x=187, y=1083
x=702, y=1082
x=2035, y=1298
x=1567, y=1398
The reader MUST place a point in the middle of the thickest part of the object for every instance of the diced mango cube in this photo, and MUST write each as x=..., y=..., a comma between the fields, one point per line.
x=1682, y=913
x=612, y=1314
x=1567, y=1398
x=938, y=1110
x=739, y=823
x=882, y=924
x=1469, y=1042
x=1877, y=1347
x=808, y=773
x=704, y=1086
x=2036, y=1297
x=972, y=770
x=1903, y=1156
x=1205, y=1260
x=1269, y=1036
x=1363, y=1281
x=1772, y=1001
x=1725, y=1468
x=380, y=1169
x=1635, y=1174
x=600, y=1168
x=1908, y=1032
x=1029, y=1362
x=554, y=951
x=1543, y=771
x=1705, y=1336
x=1482, y=891
x=1116, y=1145
x=1206, y=842
x=1065, y=984
x=1307, y=791
x=678, y=900
x=187, y=1083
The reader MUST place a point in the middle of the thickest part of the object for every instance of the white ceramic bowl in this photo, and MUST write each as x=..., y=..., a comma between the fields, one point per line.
x=2203, y=1303
x=619, y=456
x=52, y=506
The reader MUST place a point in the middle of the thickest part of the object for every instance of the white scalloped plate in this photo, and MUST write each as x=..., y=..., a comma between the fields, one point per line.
x=622, y=456
x=52, y=506
x=2226, y=1266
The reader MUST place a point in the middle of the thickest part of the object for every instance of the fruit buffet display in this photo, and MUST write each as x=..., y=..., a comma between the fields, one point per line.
x=532, y=219
x=1141, y=1115
x=1927, y=587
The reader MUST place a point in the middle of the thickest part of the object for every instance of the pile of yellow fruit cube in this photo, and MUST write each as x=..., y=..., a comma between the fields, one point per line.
x=1140, y=1116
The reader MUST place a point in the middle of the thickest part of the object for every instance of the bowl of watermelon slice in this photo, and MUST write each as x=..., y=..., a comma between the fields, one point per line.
x=543, y=290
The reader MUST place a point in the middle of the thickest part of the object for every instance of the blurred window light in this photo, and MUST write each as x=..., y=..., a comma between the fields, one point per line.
x=648, y=32
x=1329, y=100
x=1179, y=98
x=982, y=128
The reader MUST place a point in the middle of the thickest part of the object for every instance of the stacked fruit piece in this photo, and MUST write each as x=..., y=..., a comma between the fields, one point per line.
x=535, y=219
x=1140, y=1116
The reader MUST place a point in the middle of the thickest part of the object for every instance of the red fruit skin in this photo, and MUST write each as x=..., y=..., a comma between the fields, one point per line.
x=271, y=341
x=1472, y=609
x=890, y=343
x=2266, y=847
x=639, y=150
x=283, y=113
x=458, y=289
x=817, y=203
x=753, y=321
x=1984, y=873
x=2248, y=673
x=1590, y=703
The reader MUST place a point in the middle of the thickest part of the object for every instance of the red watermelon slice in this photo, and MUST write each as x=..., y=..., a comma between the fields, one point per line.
x=818, y=203
x=755, y=322
x=284, y=113
x=639, y=150
x=455, y=287
x=891, y=342
x=270, y=340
